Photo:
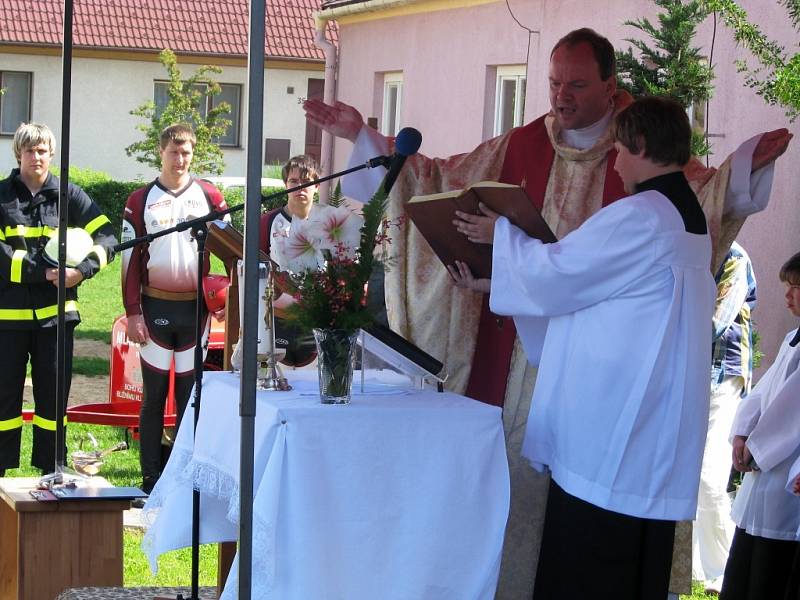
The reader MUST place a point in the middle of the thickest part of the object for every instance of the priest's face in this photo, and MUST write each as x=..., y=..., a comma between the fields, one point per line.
x=578, y=96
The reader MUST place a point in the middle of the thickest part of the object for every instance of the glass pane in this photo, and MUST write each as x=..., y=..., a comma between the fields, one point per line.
x=15, y=106
x=160, y=96
x=229, y=94
x=508, y=93
x=203, y=108
x=521, y=105
x=390, y=117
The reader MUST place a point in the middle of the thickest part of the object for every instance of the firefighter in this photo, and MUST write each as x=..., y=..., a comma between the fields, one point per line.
x=29, y=289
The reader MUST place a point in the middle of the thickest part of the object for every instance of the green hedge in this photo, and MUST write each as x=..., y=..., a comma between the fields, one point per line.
x=111, y=195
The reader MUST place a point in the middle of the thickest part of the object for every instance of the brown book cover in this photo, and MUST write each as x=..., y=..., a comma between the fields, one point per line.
x=433, y=215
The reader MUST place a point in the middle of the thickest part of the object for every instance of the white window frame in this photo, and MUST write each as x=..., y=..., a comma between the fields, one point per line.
x=6, y=98
x=515, y=73
x=236, y=112
x=391, y=81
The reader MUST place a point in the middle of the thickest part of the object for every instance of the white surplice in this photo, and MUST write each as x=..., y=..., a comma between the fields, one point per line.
x=620, y=408
x=770, y=418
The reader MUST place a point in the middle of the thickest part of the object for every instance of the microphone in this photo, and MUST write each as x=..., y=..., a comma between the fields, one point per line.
x=406, y=144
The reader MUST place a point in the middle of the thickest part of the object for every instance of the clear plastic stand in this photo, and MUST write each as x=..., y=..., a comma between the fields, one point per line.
x=390, y=360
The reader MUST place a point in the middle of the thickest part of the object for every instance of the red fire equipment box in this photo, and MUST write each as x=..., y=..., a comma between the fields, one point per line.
x=125, y=381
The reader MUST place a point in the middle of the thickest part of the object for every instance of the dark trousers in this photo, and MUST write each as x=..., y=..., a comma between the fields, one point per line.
x=172, y=325
x=39, y=345
x=760, y=568
x=590, y=552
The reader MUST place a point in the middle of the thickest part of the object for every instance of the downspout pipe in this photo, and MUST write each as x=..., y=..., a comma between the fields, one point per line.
x=321, y=19
x=329, y=96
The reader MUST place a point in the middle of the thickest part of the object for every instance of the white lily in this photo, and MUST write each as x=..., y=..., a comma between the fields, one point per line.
x=303, y=248
x=339, y=228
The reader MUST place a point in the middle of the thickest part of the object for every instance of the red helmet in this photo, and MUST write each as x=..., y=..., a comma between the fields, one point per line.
x=215, y=290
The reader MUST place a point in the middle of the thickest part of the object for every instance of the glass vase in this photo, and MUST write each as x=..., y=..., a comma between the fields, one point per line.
x=336, y=350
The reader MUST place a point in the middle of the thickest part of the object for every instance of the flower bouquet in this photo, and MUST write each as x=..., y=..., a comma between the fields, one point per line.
x=325, y=262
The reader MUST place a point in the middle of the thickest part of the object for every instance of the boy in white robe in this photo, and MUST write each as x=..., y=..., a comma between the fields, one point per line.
x=621, y=403
x=766, y=444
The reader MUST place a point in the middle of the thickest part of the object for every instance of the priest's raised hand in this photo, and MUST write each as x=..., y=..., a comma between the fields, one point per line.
x=340, y=119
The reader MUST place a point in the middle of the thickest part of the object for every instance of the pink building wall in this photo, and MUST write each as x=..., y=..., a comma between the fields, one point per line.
x=447, y=59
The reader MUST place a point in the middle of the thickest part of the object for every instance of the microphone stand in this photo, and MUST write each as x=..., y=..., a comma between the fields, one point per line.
x=199, y=229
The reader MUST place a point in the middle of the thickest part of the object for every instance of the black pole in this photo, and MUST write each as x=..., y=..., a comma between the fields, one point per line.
x=63, y=212
x=199, y=232
x=247, y=390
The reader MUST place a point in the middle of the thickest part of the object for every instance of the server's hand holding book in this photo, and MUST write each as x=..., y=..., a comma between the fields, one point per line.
x=433, y=216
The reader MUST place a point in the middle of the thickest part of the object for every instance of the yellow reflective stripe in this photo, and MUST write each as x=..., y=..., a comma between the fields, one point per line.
x=10, y=424
x=48, y=424
x=16, y=314
x=28, y=232
x=52, y=311
x=100, y=252
x=16, y=265
x=96, y=224
x=2, y=235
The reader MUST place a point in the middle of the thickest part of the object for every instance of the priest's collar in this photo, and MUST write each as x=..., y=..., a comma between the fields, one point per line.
x=588, y=136
x=663, y=183
x=677, y=190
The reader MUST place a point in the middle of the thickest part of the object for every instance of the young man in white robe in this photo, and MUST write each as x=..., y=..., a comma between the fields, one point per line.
x=620, y=407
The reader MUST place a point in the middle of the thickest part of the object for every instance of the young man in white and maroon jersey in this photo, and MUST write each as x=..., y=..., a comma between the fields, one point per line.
x=159, y=286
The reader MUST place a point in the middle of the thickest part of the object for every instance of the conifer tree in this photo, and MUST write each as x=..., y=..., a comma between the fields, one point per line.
x=668, y=65
x=777, y=78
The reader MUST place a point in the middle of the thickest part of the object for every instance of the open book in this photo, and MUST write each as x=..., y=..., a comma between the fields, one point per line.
x=433, y=215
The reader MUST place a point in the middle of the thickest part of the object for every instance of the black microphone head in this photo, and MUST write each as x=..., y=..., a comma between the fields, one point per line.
x=408, y=141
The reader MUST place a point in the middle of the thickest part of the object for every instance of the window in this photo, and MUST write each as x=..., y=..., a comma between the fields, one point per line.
x=15, y=102
x=392, y=103
x=509, y=98
x=231, y=93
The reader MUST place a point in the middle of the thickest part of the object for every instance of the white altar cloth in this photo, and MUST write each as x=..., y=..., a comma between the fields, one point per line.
x=399, y=496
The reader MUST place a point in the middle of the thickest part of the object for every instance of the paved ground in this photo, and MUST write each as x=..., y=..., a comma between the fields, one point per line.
x=84, y=390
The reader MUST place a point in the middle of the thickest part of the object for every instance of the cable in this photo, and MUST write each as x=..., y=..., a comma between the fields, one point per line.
x=710, y=66
x=527, y=51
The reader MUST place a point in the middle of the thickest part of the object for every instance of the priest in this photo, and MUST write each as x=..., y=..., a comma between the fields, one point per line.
x=564, y=160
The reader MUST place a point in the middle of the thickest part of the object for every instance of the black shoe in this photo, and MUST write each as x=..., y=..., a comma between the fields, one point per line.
x=148, y=483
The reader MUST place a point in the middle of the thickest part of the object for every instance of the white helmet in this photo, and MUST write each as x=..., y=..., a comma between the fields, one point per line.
x=79, y=244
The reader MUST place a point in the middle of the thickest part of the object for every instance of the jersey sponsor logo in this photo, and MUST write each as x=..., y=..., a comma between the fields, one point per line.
x=161, y=322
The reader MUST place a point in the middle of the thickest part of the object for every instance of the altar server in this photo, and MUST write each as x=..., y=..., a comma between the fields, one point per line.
x=621, y=402
x=766, y=444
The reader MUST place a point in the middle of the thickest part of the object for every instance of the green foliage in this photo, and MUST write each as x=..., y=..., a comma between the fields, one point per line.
x=185, y=98
x=777, y=76
x=758, y=355
x=234, y=196
x=110, y=195
x=671, y=66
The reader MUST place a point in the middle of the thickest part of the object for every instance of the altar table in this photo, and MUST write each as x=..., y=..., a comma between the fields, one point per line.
x=400, y=495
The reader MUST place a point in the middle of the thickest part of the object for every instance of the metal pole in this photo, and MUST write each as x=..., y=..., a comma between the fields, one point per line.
x=63, y=212
x=247, y=391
